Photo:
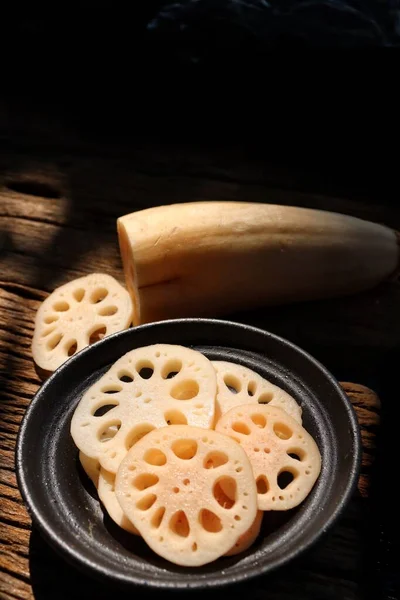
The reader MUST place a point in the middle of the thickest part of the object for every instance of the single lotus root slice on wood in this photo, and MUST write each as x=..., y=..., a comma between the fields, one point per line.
x=107, y=495
x=76, y=315
x=239, y=385
x=285, y=458
x=146, y=389
x=91, y=466
x=248, y=538
x=170, y=486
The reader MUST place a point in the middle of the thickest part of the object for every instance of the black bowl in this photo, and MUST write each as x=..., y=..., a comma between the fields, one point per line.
x=64, y=505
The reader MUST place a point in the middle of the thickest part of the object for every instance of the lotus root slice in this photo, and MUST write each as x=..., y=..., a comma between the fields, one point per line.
x=238, y=385
x=78, y=314
x=170, y=485
x=146, y=389
x=285, y=458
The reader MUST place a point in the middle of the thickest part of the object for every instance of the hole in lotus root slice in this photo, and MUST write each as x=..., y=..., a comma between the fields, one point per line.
x=184, y=449
x=171, y=369
x=155, y=457
x=175, y=417
x=285, y=478
x=262, y=484
x=145, y=368
x=147, y=502
x=54, y=341
x=71, y=347
x=109, y=430
x=188, y=492
x=276, y=460
x=51, y=319
x=179, y=524
x=48, y=331
x=107, y=311
x=185, y=390
x=210, y=521
x=241, y=427
x=79, y=294
x=296, y=453
x=144, y=481
x=125, y=376
x=61, y=306
x=215, y=459
x=282, y=431
x=98, y=295
x=111, y=389
x=265, y=398
x=69, y=307
x=232, y=383
x=97, y=334
x=225, y=491
x=157, y=517
x=258, y=420
x=104, y=408
x=249, y=388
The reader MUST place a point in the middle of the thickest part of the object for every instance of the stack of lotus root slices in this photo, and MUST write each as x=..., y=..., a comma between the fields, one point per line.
x=188, y=453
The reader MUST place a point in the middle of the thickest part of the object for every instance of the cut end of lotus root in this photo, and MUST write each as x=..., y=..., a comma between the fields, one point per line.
x=146, y=389
x=129, y=266
x=285, y=458
x=237, y=385
x=171, y=486
x=76, y=315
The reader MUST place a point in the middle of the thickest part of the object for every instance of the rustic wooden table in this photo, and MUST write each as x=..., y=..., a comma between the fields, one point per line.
x=59, y=199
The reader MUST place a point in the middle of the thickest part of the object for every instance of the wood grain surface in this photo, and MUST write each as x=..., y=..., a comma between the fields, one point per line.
x=59, y=199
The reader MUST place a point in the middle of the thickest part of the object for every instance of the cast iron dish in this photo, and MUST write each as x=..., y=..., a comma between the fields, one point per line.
x=64, y=505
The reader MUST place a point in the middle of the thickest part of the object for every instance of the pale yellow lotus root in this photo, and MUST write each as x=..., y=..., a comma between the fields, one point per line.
x=170, y=486
x=285, y=458
x=91, y=466
x=78, y=314
x=239, y=385
x=248, y=538
x=147, y=388
x=106, y=491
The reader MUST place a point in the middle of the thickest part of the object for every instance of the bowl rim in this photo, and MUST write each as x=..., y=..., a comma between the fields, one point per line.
x=83, y=564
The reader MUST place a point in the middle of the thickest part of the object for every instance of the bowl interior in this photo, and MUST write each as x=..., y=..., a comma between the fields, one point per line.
x=64, y=503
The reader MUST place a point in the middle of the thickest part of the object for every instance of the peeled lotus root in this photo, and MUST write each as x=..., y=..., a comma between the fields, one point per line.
x=239, y=385
x=170, y=486
x=147, y=388
x=285, y=458
x=76, y=315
